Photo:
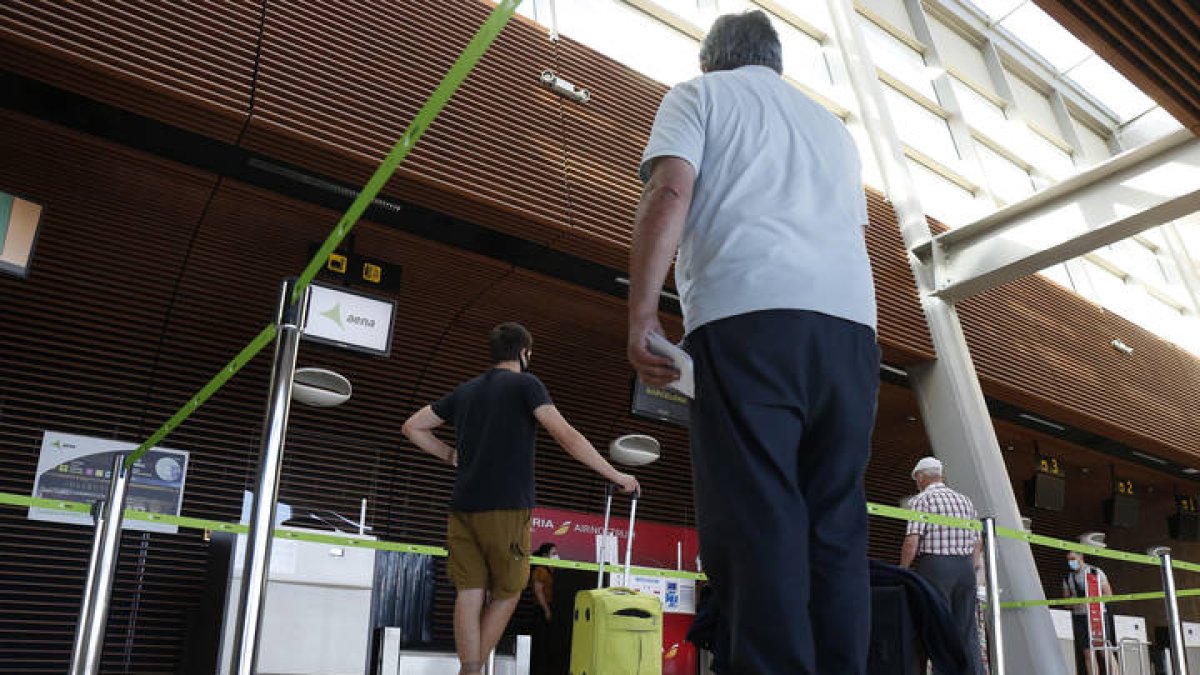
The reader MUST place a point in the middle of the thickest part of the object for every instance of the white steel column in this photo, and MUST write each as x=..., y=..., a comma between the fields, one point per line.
x=1183, y=263
x=952, y=404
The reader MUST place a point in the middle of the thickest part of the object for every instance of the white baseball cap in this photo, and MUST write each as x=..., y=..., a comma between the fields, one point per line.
x=927, y=464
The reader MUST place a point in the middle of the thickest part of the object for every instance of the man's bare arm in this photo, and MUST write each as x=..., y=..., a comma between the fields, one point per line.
x=581, y=448
x=419, y=429
x=908, y=550
x=657, y=230
x=539, y=595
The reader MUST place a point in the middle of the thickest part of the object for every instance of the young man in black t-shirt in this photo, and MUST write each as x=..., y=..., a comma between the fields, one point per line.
x=495, y=418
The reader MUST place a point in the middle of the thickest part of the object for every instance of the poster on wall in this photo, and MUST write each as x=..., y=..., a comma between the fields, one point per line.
x=678, y=596
x=657, y=403
x=79, y=469
x=575, y=535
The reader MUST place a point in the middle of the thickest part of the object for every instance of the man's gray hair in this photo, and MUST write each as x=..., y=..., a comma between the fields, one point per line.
x=930, y=473
x=737, y=40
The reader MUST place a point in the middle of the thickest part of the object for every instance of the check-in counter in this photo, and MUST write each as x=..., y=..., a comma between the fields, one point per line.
x=1191, y=646
x=1064, y=630
x=394, y=660
x=1133, y=644
x=317, y=608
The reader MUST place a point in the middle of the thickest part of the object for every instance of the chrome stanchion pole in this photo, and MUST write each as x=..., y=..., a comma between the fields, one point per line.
x=289, y=323
x=629, y=539
x=995, y=633
x=1178, y=658
x=79, y=648
x=97, y=591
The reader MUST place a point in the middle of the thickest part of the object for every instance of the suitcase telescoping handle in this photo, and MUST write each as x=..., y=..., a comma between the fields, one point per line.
x=629, y=540
x=608, y=497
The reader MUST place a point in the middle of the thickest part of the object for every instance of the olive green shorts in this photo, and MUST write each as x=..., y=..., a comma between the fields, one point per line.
x=489, y=550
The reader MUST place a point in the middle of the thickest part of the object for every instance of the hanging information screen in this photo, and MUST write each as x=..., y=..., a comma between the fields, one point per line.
x=79, y=468
x=660, y=404
x=350, y=320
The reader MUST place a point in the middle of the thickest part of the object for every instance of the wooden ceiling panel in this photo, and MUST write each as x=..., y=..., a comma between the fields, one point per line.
x=1153, y=43
x=178, y=62
x=507, y=155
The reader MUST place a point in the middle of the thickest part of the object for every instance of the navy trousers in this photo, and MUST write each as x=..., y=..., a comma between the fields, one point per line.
x=780, y=433
x=954, y=577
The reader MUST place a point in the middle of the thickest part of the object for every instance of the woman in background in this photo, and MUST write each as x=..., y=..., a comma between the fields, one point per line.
x=547, y=645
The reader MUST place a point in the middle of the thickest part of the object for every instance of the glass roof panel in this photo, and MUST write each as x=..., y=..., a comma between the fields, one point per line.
x=997, y=9
x=1054, y=43
x=1111, y=88
x=1040, y=34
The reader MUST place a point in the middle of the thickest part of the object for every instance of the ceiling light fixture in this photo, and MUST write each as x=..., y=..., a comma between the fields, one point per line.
x=1045, y=423
x=564, y=88
x=1148, y=458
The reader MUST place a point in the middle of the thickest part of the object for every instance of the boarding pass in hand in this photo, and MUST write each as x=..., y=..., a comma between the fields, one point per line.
x=686, y=384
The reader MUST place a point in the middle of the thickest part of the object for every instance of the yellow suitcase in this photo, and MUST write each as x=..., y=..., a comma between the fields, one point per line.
x=617, y=631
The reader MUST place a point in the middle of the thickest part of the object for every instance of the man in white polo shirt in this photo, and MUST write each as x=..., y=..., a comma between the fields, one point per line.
x=759, y=189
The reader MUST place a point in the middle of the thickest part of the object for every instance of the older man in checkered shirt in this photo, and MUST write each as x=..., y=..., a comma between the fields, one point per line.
x=947, y=557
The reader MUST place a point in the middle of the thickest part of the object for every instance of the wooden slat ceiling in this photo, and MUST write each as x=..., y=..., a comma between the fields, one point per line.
x=149, y=274
x=330, y=92
x=1036, y=346
x=1153, y=43
x=180, y=63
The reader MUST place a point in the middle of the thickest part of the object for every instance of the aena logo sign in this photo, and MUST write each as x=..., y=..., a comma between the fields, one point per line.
x=334, y=314
x=350, y=320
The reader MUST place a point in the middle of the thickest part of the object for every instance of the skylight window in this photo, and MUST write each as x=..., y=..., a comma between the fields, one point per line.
x=997, y=9
x=1110, y=88
x=1067, y=55
x=691, y=11
x=1053, y=42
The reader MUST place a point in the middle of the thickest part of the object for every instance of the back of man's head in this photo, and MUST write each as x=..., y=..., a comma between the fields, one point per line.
x=928, y=467
x=931, y=474
x=737, y=40
x=507, y=341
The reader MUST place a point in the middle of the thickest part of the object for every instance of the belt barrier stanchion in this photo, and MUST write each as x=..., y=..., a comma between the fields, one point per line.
x=1178, y=658
x=97, y=591
x=79, y=649
x=995, y=632
x=289, y=322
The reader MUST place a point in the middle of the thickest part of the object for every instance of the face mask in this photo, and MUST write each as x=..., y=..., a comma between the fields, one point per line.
x=524, y=361
x=554, y=556
x=1073, y=564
